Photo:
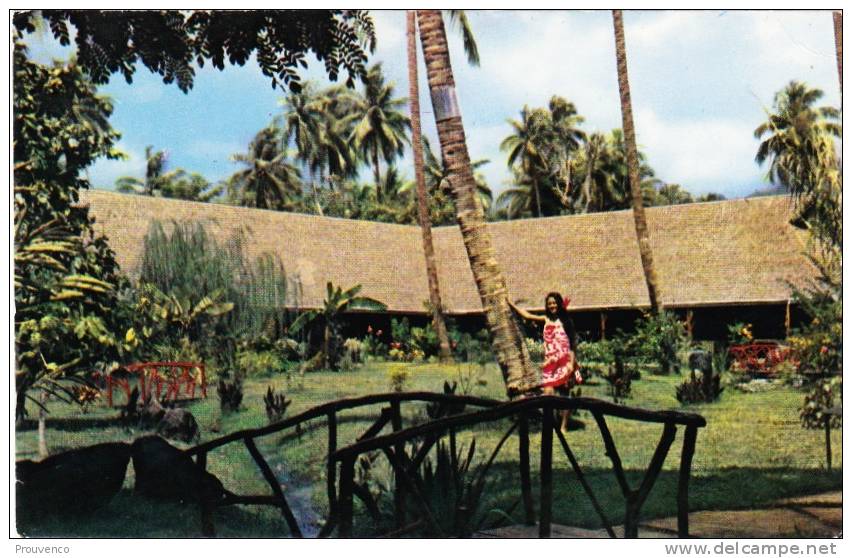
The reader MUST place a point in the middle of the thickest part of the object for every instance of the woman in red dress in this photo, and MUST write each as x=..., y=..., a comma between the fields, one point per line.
x=560, y=370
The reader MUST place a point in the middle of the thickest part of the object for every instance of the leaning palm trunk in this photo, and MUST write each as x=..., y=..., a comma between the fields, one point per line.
x=422, y=203
x=633, y=167
x=519, y=374
x=838, y=45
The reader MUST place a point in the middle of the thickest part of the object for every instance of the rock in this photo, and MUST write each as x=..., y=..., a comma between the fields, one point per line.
x=178, y=424
x=76, y=481
x=165, y=472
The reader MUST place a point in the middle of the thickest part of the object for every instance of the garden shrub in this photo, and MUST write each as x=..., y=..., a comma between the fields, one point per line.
x=740, y=333
x=253, y=364
x=659, y=338
x=596, y=351
x=398, y=376
x=826, y=393
x=187, y=267
x=620, y=379
x=230, y=395
x=276, y=404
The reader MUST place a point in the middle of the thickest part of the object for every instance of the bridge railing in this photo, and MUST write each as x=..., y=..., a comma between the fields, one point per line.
x=520, y=411
x=392, y=414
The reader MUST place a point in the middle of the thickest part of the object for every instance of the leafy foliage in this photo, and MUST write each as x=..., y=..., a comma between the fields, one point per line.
x=276, y=404
x=659, y=338
x=335, y=304
x=168, y=42
x=69, y=316
x=705, y=387
x=269, y=181
x=230, y=394
x=204, y=296
x=380, y=128
x=825, y=395
x=800, y=148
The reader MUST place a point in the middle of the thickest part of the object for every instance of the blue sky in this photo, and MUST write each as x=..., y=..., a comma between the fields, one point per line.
x=701, y=81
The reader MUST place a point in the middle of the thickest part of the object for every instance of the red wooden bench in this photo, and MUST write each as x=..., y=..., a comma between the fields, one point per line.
x=760, y=356
x=169, y=380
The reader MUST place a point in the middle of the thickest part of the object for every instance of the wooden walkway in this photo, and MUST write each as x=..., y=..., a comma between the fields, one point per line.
x=818, y=516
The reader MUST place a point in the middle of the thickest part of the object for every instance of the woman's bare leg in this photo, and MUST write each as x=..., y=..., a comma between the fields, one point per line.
x=565, y=416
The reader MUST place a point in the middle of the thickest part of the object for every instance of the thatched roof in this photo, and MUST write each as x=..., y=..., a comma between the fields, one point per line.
x=707, y=254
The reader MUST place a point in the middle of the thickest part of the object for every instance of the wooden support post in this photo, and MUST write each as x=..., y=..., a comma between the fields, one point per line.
x=637, y=498
x=331, y=466
x=275, y=486
x=603, y=326
x=524, y=462
x=582, y=478
x=686, y=454
x=787, y=320
x=546, y=473
x=827, y=420
x=690, y=323
x=208, y=528
x=344, y=499
x=399, y=483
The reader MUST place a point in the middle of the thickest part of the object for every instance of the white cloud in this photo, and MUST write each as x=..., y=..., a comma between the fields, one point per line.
x=699, y=154
x=104, y=172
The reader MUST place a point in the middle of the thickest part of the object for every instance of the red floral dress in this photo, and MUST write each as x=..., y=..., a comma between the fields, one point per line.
x=560, y=367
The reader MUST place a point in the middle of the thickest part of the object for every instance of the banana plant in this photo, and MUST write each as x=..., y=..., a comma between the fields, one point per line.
x=181, y=313
x=337, y=301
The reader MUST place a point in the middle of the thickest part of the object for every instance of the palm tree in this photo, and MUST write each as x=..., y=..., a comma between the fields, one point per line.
x=838, y=45
x=792, y=132
x=519, y=374
x=380, y=128
x=458, y=19
x=541, y=149
x=155, y=175
x=799, y=145
x=191, y=186
x=319, y=126
x=524, y=150
x=633, y=167
x=268, y=181
x=441, y=205
x=673, y=194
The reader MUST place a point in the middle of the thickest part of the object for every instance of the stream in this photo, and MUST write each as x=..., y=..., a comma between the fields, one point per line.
x=299, y=497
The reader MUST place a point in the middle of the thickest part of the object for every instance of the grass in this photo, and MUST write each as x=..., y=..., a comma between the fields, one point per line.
x=752, y=452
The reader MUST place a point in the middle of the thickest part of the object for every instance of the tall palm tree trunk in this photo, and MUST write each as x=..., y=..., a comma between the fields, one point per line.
x=633, y=167
x=377, y=175
x=838, y=46
x=422, y=202
x=519, y=374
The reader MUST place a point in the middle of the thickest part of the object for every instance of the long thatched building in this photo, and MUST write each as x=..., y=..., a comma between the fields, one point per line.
x=717, y=262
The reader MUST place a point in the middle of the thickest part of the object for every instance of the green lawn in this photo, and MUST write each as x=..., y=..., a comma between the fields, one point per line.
x=752, y=451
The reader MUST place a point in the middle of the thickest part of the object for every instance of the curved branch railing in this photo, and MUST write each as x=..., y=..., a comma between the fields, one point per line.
x=392, y=444
x=340, y=493
x=391, y=414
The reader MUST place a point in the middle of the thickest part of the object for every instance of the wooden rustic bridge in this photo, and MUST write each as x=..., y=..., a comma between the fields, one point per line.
x=341, y=487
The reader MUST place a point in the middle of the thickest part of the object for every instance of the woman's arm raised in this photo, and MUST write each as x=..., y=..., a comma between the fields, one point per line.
x=526, y=315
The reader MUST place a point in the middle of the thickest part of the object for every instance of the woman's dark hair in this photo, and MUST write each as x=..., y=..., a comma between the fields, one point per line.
x=563, y=316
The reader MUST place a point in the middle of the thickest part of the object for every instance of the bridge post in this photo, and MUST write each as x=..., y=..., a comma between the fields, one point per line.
x=331, y=466
x=208, y=528
x=524, y=463
x=683, y=481
x=546, y=475
x=344, y=499
x=399, y=484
